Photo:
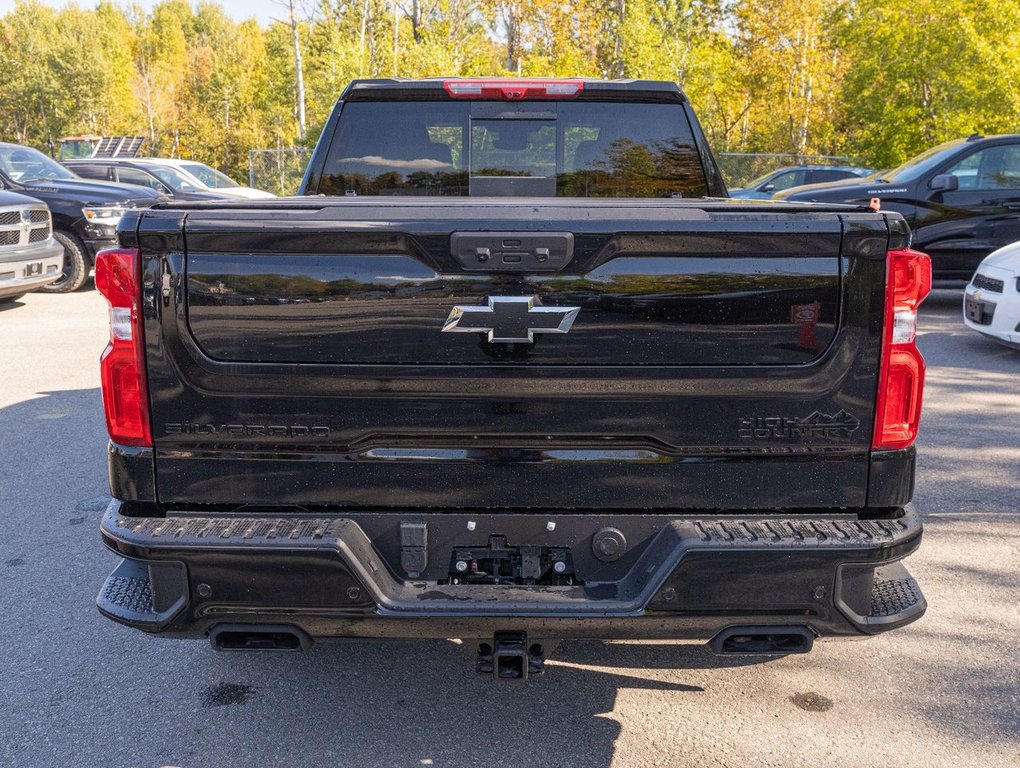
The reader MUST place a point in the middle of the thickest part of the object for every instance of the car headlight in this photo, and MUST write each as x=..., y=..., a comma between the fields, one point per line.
x=107, y=215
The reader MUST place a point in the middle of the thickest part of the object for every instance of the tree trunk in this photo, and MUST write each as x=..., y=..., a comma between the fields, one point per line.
x=150, y=113
x=361, y=37
x=396, y=36
x=512, y=22
x=416, y=16
x=299, y=75
x=620, y=12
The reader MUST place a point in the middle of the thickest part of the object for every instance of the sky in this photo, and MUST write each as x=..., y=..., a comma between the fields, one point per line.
x=263, y=10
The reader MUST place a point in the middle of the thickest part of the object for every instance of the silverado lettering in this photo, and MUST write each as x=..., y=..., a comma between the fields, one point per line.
x=245, y=430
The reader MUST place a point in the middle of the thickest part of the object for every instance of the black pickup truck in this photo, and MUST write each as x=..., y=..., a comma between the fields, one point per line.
x=513, y=370
x=961, y=200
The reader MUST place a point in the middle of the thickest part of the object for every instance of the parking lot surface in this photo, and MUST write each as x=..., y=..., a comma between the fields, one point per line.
x=81, y=691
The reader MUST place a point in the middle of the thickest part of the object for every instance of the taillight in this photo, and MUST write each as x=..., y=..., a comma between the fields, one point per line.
x=513, y=89
x=901, y=374
x=122, y=365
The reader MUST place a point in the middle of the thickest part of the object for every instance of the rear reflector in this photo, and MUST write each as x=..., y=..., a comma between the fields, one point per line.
x=515, y=89
x=901, y=375
x=122, y=365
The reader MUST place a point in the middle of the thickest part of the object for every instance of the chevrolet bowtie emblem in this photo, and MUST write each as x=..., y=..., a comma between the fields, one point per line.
x=511, y=319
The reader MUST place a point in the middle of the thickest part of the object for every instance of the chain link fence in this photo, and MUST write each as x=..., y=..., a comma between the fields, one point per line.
x=738, y=168
x=277, y=170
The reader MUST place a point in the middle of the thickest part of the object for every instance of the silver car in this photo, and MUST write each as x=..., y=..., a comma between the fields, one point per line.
x=29, y=256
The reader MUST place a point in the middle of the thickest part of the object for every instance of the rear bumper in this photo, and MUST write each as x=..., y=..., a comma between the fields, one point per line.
x=996, y=315
x=690, y=579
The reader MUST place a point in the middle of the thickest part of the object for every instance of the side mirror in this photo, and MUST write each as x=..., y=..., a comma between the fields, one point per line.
x=944, y=182
x=768, y=187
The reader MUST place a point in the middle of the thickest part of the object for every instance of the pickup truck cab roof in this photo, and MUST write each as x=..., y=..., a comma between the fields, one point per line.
x=624, y=89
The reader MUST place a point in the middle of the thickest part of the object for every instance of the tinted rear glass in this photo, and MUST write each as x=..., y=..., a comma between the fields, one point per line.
x=550, y=149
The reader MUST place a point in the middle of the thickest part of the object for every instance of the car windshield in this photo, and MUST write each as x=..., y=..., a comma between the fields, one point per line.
x=173, y=178
x=755, y=183
x=23, y=164
x=209, y=176
x=542, y=149
x=919, y=165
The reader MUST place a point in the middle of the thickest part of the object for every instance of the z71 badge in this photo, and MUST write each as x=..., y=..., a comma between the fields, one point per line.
x=818, y=424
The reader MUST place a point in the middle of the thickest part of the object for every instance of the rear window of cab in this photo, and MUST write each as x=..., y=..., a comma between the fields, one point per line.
x=550, y=149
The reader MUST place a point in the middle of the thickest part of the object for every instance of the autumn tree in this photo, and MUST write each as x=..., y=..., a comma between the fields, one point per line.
x=878, y=80
x=791, y=68
x=160, y=54
x=921, y=72
x=30, y=110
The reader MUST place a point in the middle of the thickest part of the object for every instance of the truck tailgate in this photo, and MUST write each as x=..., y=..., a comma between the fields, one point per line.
x=717, y=356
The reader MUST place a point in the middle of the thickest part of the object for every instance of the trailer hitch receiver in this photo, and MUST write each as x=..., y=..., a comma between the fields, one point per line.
x=510, y=657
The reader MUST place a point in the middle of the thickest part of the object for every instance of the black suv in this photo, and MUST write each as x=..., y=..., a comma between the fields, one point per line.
x=961, y=199
x=85, y=213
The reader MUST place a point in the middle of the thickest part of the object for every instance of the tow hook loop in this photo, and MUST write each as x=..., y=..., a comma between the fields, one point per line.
x=509, y=657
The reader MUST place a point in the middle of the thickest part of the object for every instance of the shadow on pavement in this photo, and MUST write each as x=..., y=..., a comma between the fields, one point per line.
x=6, y=305
x=649, y=655
x=85, y=691
x=421, y=703
x=359, y=703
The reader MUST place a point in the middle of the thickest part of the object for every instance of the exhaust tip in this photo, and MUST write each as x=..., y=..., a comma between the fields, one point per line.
x=762, y=641
x=259, y=637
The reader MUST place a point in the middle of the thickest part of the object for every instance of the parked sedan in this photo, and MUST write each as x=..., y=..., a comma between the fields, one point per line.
x=29, y=256
x=765, y=186
x=991, y=301
x=144, y=172
x=211, y=179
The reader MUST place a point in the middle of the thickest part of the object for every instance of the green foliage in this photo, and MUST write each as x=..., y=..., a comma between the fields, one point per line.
x=796, y=64
x=29, y=84
x=875, y=79
x=924, y=71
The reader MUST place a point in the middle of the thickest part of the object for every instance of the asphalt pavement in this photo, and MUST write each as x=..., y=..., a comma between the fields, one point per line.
x=77, y=690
